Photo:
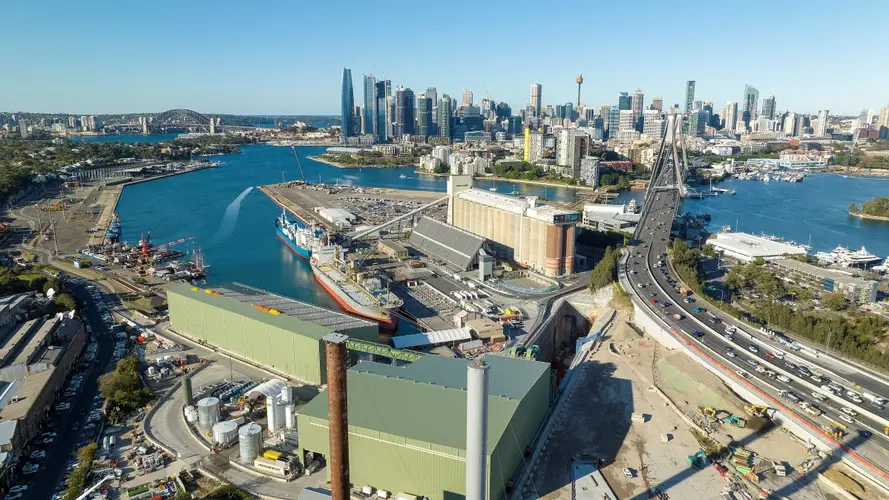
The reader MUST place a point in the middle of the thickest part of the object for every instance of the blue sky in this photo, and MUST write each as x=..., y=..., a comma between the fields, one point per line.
x=277, y=57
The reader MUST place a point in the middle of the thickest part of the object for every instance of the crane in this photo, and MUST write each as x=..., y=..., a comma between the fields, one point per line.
x=173, y=243
x=93, y=487
x=298, y=164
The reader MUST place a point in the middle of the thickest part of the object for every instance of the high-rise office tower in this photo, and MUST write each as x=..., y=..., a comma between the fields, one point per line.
x=730, y=115
x=347, y=104
x=821, y=131
x=624, y=101
x=370, y=119
x=689, y=95
x=652, y=123
x=445, y=110
x=614, y=121
x=790, y=123
x=384, y=115
x=626, y=119
x=424, y=115
x=467, y=97
x=769, y=107
x=604, y=111
x=536, y=96
x=432, y=93
x=404, y=111
x=637, y=107
x=751, y=102
x=657, y=103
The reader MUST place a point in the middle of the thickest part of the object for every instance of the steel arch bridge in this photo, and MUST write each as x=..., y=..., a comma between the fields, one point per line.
x=180, y=119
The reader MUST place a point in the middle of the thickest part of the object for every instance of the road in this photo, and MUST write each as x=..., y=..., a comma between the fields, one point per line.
x=658, y=289
x=53, y=470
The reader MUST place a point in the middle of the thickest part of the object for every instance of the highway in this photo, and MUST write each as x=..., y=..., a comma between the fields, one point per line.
x=750, y=354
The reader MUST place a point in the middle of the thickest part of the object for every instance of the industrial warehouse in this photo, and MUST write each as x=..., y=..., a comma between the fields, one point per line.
x=406, y=424
x=281, y=334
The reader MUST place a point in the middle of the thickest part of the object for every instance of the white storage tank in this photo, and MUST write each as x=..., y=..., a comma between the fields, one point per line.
x=191, y=414
x=225, y=432
x=208, y=413
x=250, y=442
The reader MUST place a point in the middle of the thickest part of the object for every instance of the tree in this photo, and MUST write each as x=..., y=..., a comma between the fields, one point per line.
x=833, y=301
x=63, y=302
x=853, y=208
x=709, y=251
x=605, y=271
x=123, y=389
x=228, y=492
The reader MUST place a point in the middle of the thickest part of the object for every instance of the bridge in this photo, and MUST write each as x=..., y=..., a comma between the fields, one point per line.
x=736, y=352
x=180, y=119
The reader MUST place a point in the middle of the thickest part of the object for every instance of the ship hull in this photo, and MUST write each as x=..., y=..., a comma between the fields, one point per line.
x=300, y=252
x=387, y=321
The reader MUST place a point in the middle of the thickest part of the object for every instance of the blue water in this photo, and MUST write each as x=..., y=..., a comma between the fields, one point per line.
x=129, y=139
x=817, y=207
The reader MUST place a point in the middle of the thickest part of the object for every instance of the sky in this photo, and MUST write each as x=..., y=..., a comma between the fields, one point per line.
x=286, y=57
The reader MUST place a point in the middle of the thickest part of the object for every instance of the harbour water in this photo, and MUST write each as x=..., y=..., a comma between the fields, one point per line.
x=234, y=225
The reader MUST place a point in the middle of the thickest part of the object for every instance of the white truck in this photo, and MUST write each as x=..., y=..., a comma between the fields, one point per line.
x=873, y=398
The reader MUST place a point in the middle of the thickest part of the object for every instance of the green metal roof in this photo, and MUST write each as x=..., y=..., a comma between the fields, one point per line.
x=426, y=400
x=289, y=323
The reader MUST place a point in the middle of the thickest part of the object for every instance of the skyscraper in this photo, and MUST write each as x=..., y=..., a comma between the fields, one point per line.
x=652, y=123
x=730, y=115
x=790, y=123
x=751, y=102
x=768, y=107
x=347, y=104
x=404, y=111
x=613, y=121
x=467, y=97
x=626, y=119
x=424, y=115
x=822, y=123
x=384, y=114
x=624, y=101
x=883, y=122
x=371, y=116
x=689, y=95
x=432, y=93
x=536, y=96
x=444, y=116
x=637, y=106
x=657, y=103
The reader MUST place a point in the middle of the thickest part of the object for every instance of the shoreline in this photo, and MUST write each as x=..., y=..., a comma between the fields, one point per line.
x=339, y=165
x=870, y=173
x=515, y=181
x=869, y=217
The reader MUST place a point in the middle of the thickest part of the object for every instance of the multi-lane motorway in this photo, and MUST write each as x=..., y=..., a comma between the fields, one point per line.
x=771, y=367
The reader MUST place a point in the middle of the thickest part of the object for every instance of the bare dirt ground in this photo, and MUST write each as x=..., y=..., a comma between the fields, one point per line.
x=617, y=382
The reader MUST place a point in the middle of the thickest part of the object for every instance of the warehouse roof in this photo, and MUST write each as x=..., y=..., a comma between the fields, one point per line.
x=424, y=399
x=432, y=338
x=293, y=315
x=749, y=247
x=446, y=242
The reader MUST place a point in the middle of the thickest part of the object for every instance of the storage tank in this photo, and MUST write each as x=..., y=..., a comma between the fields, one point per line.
x=288, y=416
x=225, y=432
x=250, y=442
x=275, y=413
x=208, y=413
x=191, y=414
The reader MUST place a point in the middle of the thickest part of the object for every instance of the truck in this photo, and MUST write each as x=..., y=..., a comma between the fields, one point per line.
x=685, y=292
x=873, y=398
x=789, y=395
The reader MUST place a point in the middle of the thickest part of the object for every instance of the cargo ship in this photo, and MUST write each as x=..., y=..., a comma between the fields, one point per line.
x=300, y=239
x=357, y=294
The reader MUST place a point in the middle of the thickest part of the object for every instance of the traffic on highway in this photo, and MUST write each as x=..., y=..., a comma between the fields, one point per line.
x=844, y=409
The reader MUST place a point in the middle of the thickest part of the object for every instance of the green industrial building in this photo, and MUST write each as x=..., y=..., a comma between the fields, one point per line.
x=279, y=333
x=407, y=424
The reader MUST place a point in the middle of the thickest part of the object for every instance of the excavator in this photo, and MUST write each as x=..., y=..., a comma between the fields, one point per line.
x=735, y=420
x=756, y=410
x=698, y=460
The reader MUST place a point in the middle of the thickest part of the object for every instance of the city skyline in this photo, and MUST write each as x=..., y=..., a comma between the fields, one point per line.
x=264, y=71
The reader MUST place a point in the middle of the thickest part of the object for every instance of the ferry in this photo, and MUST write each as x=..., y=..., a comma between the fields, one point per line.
x=299, y=238
x=367, y=299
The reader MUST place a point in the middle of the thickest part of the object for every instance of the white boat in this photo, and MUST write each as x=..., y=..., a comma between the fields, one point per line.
x=402, y=176
x=842, y=256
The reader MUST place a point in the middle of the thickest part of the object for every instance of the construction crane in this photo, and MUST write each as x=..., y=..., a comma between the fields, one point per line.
x=298, y=165
x=93, y=487
x=173, y=243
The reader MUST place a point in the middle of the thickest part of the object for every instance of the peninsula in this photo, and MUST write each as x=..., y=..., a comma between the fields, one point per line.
x=875, y=209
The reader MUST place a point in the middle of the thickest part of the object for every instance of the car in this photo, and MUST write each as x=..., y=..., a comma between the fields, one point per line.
x=730, y=352
x=30, y=469
x=63, y=406
x=877, y=406
x=651, y=294
x=742, y=373
x=12, y=496
x=857, y=399
x=846, y=418
x=864, y=433
x=753, y=349
x=819, y=396
x=38, y=454
x=48, y=440
x=848, y=411
x=689, y=300
x=699, y=309
x=628, y=473
x=698, y=333
x=714, y=320
x=790, y=365
x=752, y=362
x=640, y=285
x=784, y=378
x=18, y=488
x=49, y=434
x=816, y=379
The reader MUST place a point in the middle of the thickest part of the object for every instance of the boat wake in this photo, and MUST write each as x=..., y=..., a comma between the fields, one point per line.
x=230, y=219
